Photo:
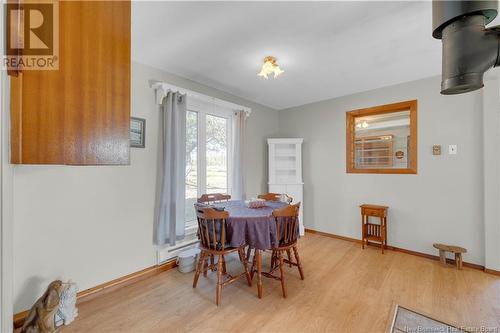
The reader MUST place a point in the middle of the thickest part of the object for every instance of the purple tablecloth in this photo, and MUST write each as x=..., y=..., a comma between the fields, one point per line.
x=252, y=226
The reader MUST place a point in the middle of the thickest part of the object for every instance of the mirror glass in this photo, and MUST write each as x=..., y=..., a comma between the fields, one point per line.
x=382, y=141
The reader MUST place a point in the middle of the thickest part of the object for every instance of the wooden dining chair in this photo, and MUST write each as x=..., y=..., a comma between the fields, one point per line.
x=287, y=233
x=270, y=196
x=274, y=197
x=212, y=235
x=214, y=197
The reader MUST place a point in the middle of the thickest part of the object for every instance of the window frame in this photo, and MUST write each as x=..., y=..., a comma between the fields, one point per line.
x=203, y=109
x=382, y=109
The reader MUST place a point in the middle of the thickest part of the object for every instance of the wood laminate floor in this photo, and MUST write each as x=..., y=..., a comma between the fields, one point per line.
x=346, y=290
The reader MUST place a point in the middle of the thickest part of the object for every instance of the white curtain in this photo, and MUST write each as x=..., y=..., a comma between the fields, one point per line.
x=171, y=169
x=238, y=154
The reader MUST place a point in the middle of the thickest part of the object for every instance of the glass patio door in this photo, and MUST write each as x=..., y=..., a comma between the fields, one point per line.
x=208, y=142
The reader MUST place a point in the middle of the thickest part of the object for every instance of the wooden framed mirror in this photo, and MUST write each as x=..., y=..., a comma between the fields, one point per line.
x=382, y=139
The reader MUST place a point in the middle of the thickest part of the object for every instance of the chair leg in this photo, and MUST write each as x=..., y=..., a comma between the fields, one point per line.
x=241, y=252
x=219, y=280
x=273, y=260
x=212, y=261
x=199, y=267
x=276, y=259
x=252, y=267
x=205, y=265
x=223, y=265
x=299, y=264
x=282, y=273
x=289, y=254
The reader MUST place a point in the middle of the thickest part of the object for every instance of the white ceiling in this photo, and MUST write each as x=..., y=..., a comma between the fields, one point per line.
x=327, y=49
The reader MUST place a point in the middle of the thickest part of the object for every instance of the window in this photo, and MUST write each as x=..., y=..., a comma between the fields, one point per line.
x=208, y=142
x=216, y=154
x=382, y=139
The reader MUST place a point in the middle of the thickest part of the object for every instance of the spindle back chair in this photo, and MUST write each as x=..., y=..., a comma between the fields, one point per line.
x=212, y=228
x=287, y=234
x=274, y=197
x=270, y=196
x=287, y=225
x=213, y=243
x=214, y=197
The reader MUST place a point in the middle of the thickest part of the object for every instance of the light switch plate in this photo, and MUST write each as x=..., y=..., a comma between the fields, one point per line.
x=452, y=149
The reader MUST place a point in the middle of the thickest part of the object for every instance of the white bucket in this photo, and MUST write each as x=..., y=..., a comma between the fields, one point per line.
x=186, y=260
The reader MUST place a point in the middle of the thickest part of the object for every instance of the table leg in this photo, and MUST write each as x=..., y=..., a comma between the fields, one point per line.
x=258, y=255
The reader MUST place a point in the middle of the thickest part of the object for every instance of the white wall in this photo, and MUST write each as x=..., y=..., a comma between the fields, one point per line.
x=94, y=224
x=442, y=203
x=491, y=166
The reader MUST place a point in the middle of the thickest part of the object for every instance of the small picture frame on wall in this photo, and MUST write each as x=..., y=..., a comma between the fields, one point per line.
x=137, y=132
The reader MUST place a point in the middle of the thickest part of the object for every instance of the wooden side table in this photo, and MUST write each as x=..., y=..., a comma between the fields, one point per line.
x=372, y=231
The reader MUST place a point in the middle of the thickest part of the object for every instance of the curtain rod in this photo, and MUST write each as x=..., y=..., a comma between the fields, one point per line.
x=162, y=88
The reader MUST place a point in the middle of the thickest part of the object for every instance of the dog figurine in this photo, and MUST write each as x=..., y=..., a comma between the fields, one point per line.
x=41, y=318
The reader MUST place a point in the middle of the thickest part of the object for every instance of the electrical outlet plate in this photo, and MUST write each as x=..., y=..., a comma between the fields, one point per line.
x=452, y=149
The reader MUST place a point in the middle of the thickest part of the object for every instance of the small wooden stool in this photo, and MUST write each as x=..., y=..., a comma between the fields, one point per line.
x=457, y=250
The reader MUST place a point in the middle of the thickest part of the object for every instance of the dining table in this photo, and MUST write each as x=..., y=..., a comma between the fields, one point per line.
x=254, y=227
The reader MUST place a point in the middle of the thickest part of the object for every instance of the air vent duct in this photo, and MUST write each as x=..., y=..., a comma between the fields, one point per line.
x=469, y=49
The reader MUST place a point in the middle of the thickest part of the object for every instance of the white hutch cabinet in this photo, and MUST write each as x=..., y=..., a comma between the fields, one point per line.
x=285, y=170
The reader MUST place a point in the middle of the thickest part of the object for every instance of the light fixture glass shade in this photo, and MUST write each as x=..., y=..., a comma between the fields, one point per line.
x=270, y=66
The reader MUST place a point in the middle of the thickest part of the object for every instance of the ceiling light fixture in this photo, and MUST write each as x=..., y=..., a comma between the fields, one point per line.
x=270, y=66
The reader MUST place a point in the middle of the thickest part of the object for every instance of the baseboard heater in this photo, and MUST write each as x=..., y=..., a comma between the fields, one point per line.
x=166, y=254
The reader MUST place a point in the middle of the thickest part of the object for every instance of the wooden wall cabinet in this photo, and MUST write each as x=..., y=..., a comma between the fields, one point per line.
x=79, y=114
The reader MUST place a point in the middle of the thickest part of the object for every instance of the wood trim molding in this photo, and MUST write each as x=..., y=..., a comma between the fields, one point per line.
x=492, y=271
x=414, y=253
x=109, y=286
x=381, y=109
x=126, y=280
